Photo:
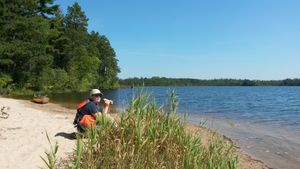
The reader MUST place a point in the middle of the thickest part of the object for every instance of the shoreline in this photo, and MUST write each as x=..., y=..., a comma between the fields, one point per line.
x=246, y=161
x=275, y=147
x=24, y=137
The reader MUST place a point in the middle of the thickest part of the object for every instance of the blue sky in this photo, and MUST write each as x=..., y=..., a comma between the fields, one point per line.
x=253, y=39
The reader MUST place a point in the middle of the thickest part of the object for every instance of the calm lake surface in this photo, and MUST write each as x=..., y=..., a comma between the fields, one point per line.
x=264, y=121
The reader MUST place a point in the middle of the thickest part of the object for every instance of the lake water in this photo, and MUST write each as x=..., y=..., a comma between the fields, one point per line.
x=264, y=121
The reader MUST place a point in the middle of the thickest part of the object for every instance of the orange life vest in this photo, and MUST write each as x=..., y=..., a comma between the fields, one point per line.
x=86, y=120
x=80, y=105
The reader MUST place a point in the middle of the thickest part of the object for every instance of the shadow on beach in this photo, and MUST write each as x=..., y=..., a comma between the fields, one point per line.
x=70, y=136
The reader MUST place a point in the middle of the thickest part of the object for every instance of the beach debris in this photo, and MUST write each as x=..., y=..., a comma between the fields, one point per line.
x=14, y=128
x=4, y=113
x=267, y=151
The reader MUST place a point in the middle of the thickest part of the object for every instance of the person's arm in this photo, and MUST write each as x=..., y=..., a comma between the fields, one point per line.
x=107, y=103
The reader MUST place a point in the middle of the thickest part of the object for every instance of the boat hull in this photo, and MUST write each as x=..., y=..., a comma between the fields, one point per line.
x=40, y=100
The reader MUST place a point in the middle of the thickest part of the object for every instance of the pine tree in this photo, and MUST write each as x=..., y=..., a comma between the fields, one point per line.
x=46, y=8
x=24, y=38
x=41, y=49
x=82, y=65
x=108, y=68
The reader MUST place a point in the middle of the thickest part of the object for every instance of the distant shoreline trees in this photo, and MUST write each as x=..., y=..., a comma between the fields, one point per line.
x=43, y=49
x=163, y=81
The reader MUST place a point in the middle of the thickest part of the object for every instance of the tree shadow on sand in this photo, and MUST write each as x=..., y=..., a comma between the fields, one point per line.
x=70, y=136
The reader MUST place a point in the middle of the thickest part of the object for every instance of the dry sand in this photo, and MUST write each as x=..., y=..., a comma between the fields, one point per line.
x=23, y=135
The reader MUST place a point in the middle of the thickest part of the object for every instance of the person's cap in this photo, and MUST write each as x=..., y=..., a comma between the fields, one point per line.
x=95, y=92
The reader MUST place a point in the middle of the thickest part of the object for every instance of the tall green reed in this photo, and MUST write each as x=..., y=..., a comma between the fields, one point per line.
x=51, y=159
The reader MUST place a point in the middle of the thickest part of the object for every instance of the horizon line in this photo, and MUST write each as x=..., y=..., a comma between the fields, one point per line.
x=296, y=78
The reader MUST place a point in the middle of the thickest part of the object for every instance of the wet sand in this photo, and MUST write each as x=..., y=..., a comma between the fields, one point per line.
x=23, y=135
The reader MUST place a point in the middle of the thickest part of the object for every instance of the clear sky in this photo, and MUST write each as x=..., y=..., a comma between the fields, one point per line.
x=204, y=39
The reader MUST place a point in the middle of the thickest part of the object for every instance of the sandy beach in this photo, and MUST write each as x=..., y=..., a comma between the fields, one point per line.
x=23, y=135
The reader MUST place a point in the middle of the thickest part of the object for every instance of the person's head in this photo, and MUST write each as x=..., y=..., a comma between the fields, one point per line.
x=96, y=95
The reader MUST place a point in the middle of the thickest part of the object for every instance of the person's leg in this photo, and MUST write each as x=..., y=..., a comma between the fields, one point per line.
x=80, y=128
x=111, y=119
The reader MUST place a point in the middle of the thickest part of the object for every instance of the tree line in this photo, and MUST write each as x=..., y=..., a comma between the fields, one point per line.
x=43, y=49
x=163, y=81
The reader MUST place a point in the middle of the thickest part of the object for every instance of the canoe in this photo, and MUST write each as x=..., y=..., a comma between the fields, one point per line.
x=41, y=99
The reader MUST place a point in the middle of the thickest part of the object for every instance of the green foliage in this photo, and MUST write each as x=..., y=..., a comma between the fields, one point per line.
x=162, y=81
x=40, y=46
x=46, y=8
x=149, y=137
x=108, y=68
x=4, y=80
x=53, y=80
x=291, y=82
x=247, y=82
x=83, y=68
x=24, y=38
x=76, y=19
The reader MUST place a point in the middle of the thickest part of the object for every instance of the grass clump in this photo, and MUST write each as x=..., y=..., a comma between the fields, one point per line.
x=148, y=136
x=51, y=160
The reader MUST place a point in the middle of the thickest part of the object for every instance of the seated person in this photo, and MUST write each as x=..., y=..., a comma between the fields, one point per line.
x=86, y=116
